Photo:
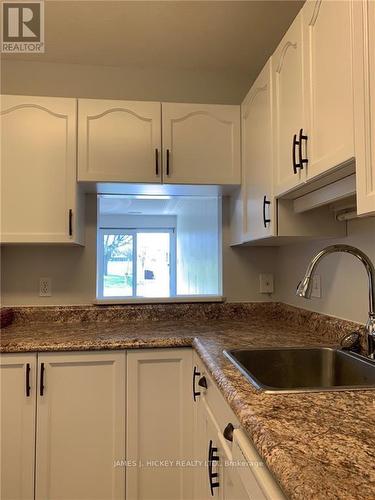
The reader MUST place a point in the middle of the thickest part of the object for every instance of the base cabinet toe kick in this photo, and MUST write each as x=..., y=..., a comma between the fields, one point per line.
x=135, y=424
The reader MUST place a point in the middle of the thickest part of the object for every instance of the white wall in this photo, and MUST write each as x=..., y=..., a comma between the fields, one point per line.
x=109, y=82
x=343, y=277
x=73, y=269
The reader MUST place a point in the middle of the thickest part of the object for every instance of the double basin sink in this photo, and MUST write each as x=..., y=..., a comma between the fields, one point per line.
x=308, y=369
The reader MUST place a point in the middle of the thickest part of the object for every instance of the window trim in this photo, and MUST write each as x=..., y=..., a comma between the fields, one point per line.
x=133, y=231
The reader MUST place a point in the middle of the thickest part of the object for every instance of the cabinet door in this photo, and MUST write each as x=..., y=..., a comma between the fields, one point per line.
x=159, y=424
x=289, y=107
x=81, y=426
x=119, y=141
x=257, y=162
x=18, y=405
x=210, y=456
x=364, y=104
x=38, y=179
x=201, y=144
x=327, y=38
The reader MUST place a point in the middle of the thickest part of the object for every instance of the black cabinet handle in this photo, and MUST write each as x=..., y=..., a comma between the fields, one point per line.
x=212, y=476
x=228, y=432
x=265, y=202
x=196, y=374
x=167, y=167
x=70, y=222
x=295, y=144
x=302, y=161
x=41, y=387
x=156, y=161
x=27, y=382
x=203, y=382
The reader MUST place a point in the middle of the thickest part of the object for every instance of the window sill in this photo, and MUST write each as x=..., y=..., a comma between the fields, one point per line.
x=163, y=300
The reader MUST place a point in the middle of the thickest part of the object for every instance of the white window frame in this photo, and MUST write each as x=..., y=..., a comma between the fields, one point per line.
x=133, y=231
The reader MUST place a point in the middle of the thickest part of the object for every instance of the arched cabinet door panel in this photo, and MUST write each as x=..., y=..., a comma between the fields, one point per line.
x=119, y=141
x=257, y=161
x=201, y=144
x=38, y=176
x=327, y=36
x=288, y=107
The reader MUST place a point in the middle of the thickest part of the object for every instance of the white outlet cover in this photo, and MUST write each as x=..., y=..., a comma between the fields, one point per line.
x=266, y=283
x=45, y=287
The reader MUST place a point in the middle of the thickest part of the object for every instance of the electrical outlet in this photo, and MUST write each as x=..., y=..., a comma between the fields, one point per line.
x=45, y=287
x=316, y=290
x=266, y=283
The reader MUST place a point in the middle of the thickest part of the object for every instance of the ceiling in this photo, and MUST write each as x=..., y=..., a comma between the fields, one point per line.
x=230, y=36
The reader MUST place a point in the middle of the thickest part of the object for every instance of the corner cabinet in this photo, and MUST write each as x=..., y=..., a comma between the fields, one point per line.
x=201, y=144
x=228, y=466
x=40, y=198
x=364, y=104
x=119, y=141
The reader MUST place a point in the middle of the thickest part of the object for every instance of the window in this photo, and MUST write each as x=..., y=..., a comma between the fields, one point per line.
x=137, y=262
x=158, y=247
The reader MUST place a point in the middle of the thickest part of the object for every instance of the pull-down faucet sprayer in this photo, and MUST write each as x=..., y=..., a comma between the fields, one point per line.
x=304, y=288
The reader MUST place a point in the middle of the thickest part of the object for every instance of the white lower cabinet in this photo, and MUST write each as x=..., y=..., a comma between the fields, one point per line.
x=68, y=428
x=18, y=411
x=230, y=467
x=111, y=425
x=80, y=426
x=159, y=424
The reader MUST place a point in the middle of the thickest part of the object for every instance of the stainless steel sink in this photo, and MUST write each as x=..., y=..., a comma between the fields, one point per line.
x=294, y=369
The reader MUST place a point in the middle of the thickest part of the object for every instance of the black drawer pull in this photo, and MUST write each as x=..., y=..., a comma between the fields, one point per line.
x=295, y=144
x=212, y=475
x=41, y=387
x=156, y=161
x=27, y=382
x=196, y=374
x=202, y=382
x=302, y=161
x=228, y=432
x=167, y=167
x=265, y=202
x=70, y=222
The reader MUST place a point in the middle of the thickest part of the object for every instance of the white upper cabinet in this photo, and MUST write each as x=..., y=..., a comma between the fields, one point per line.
x=289, y=108
x=38, y=176
x=257, y=161
x=18, y=410
x=119, y=141
x=327, y=42
x=201, y=144
x=364, y=104
x=80, y=426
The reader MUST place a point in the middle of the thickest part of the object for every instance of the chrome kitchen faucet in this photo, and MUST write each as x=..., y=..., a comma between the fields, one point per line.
x=304, y=288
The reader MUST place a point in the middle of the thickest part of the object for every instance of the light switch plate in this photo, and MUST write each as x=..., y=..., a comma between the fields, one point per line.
x=266, y=283
x=316, y=290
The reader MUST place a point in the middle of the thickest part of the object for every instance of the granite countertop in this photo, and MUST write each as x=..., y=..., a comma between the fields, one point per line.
x=317, y=445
